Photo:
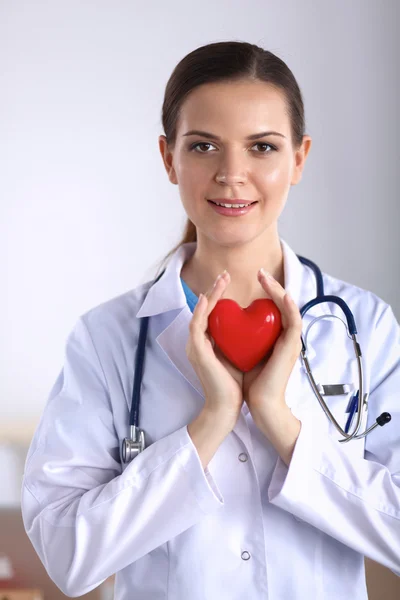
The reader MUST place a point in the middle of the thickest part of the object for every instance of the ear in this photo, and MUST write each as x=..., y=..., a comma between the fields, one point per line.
x=167, y=156
x=300, y=159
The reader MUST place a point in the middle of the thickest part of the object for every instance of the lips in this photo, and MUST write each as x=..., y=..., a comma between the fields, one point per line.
x=233, y=211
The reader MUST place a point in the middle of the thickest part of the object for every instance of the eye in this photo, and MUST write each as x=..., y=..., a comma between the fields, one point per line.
x=274, y=149
x=198, y=144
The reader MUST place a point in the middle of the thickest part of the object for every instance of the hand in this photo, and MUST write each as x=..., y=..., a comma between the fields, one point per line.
x=265, y=385
x=221, y=381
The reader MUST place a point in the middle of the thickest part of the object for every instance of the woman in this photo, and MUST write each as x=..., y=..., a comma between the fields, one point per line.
x=243, y=489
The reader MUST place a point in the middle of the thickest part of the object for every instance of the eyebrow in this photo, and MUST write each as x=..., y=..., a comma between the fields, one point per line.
x=212, y=136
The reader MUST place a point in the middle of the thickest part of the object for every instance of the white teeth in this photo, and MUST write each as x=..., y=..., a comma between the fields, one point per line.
x=232, y=205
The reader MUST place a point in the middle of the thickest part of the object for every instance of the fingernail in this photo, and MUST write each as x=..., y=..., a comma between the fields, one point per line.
x=220, y=276
x=266, y=274
x=216, y=281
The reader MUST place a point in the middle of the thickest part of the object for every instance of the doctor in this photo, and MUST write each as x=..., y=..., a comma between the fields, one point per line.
x=243, y=490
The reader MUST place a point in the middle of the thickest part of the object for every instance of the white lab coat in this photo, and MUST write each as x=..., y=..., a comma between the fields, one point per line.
x=246, y=527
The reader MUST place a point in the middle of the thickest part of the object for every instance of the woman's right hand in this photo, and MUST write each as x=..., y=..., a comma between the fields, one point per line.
x=222, y=382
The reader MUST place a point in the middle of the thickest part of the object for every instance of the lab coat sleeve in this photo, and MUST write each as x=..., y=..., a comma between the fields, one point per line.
x=85, y=517
x=356, y=500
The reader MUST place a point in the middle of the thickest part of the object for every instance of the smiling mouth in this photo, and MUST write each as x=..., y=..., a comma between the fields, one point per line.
x=242, y=205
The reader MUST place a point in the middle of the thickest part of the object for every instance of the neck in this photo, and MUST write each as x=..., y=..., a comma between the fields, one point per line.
x=242, y=263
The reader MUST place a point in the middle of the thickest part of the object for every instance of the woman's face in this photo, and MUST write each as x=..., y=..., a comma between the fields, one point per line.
x=261, y=169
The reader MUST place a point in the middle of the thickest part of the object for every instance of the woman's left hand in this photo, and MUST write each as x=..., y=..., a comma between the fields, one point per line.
x=265, y=385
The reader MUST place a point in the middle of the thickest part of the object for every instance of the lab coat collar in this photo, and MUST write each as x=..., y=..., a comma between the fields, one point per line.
x=168, y=294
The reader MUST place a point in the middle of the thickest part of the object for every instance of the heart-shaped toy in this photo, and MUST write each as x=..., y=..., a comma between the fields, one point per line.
x=245, y=335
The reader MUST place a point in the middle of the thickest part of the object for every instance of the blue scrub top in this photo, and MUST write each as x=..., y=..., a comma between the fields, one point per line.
x=191, y=297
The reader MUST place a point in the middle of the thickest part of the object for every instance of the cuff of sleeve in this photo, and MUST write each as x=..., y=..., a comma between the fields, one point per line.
x=290, y=486
x=178, y=446
x=206, y=491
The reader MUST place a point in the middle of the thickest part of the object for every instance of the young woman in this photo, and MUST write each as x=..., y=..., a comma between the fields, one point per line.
x=243, y=488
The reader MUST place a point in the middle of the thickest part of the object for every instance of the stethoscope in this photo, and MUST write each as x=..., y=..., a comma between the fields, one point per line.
x=132, y=446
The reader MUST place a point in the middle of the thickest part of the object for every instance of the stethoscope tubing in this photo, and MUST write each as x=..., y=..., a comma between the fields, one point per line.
x=136, y=443
x=352, y=330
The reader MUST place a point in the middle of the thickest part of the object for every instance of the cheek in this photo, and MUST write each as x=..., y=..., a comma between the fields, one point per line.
x=191, y=176
x=277, y=176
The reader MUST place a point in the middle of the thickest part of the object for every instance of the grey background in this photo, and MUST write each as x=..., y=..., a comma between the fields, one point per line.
x=86, y=208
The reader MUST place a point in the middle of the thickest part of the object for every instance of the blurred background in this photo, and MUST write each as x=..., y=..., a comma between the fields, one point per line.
x=86, y=207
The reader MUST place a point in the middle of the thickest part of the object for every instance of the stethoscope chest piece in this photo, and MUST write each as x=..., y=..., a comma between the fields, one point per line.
x=132, y=446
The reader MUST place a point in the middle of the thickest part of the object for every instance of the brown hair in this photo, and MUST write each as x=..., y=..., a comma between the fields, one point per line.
x=228, y=61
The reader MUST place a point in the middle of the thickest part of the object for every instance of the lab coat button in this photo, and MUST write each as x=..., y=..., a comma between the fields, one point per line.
x=243, y=457
x=245, y=555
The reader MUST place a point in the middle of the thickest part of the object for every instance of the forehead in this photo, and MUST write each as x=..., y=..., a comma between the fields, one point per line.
x=245, y=107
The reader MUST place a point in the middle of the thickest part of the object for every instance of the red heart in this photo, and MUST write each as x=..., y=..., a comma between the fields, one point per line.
x=245, y=335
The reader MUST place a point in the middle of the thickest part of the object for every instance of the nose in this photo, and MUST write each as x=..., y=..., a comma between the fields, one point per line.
x=230, y=179
x=231, y=170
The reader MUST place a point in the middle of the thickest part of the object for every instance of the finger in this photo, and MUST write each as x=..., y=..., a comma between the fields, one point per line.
x=214, y=293
x=199, y=338
x=288, y=346
x=207, y=302
x=296, y=321
x=273, y=288
x=291, y=318
x=198, y=324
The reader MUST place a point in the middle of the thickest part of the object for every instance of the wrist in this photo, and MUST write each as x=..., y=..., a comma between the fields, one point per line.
x=266, y=411
x=282, y=429
x=207, y=435
x=218, y=419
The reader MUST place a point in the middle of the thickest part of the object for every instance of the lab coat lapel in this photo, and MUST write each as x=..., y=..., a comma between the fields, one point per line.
x=167, y=295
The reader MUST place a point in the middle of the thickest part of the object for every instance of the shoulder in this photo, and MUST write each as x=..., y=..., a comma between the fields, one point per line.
x=117, y=315
x=365, y=304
